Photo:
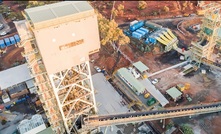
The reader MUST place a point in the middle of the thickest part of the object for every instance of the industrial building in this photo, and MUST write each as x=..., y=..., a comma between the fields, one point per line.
x=209, y=35
x=17, y=81
x=174, y=93
x=32, y=126
x=140, y=67
x=129, y=80
x=59, y=62
x=145, y=35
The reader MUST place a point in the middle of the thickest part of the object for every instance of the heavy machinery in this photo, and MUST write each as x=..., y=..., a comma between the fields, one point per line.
x=146, y=95
x=182, y=87
x=135, y=103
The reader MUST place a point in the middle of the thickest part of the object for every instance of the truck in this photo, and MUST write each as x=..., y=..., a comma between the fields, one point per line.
x=151, y=101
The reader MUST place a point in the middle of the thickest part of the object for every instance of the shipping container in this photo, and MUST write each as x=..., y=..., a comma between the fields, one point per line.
x=140, y=32
x=127, y=33
x=136, y=35
x=17, y=38
x=136, y=26
x=7, y=41
x=145, y=30
x=2, y=44
x=12, y=40
x=133, y=22
x=152, y=40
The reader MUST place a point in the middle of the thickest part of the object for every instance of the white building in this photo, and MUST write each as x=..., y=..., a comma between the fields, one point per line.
x=32, y=126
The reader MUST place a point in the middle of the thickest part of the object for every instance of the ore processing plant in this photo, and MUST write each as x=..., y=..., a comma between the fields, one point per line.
x=65, y=85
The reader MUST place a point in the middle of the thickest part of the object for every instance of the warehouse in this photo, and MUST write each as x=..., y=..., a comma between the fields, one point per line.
x=17, y=80
x=130, y=81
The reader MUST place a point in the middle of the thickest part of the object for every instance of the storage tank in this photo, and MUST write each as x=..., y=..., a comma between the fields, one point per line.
x=136, y=26
x=152, y=40
x=133, y=22
x=145, y=30
x=136, y=35
x=140, y=32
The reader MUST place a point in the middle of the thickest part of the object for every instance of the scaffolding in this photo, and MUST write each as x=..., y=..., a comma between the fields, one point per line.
x=208, y=36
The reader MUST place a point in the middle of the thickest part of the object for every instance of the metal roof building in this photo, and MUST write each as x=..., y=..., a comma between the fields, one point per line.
x=140, y=66
x=132, y=82
x=14, y=76
x=62, y=11
x=174, y=93
x=154, y=92
x=32, y=126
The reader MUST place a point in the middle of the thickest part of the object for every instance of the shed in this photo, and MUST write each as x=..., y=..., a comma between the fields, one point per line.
x=2, y=44
x=130, y=81
x=174, y=93
x=140, y=66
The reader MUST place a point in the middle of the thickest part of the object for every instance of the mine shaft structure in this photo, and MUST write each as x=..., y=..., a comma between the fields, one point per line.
x=208, y=36
x=57, y=40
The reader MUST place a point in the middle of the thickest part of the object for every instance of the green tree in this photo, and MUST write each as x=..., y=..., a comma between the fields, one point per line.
x=4, y=122
x=110, y=32
x=39, y=3
x=142, y=5
x=186, y=129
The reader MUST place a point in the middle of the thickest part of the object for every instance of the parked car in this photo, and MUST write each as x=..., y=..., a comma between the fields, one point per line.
x=97, y=69
x=1, y=26
x=155, y=81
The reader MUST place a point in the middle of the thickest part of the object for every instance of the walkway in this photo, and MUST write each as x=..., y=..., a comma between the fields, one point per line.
x=172, y=67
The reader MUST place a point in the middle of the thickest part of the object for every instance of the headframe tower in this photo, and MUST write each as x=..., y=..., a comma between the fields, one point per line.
x=57, y=40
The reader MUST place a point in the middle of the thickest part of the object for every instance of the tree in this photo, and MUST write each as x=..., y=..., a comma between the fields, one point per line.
x=110, y=33
x=186, y=129
x=120, y=9
x=114, y=13
x=166, y=9
x=184, y=5
x=38, y=3
x=142, y=5
x=4, y=122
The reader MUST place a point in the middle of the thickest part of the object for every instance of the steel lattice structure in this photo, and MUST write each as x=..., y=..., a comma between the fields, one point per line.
x=211, y=24
x=57, y=50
